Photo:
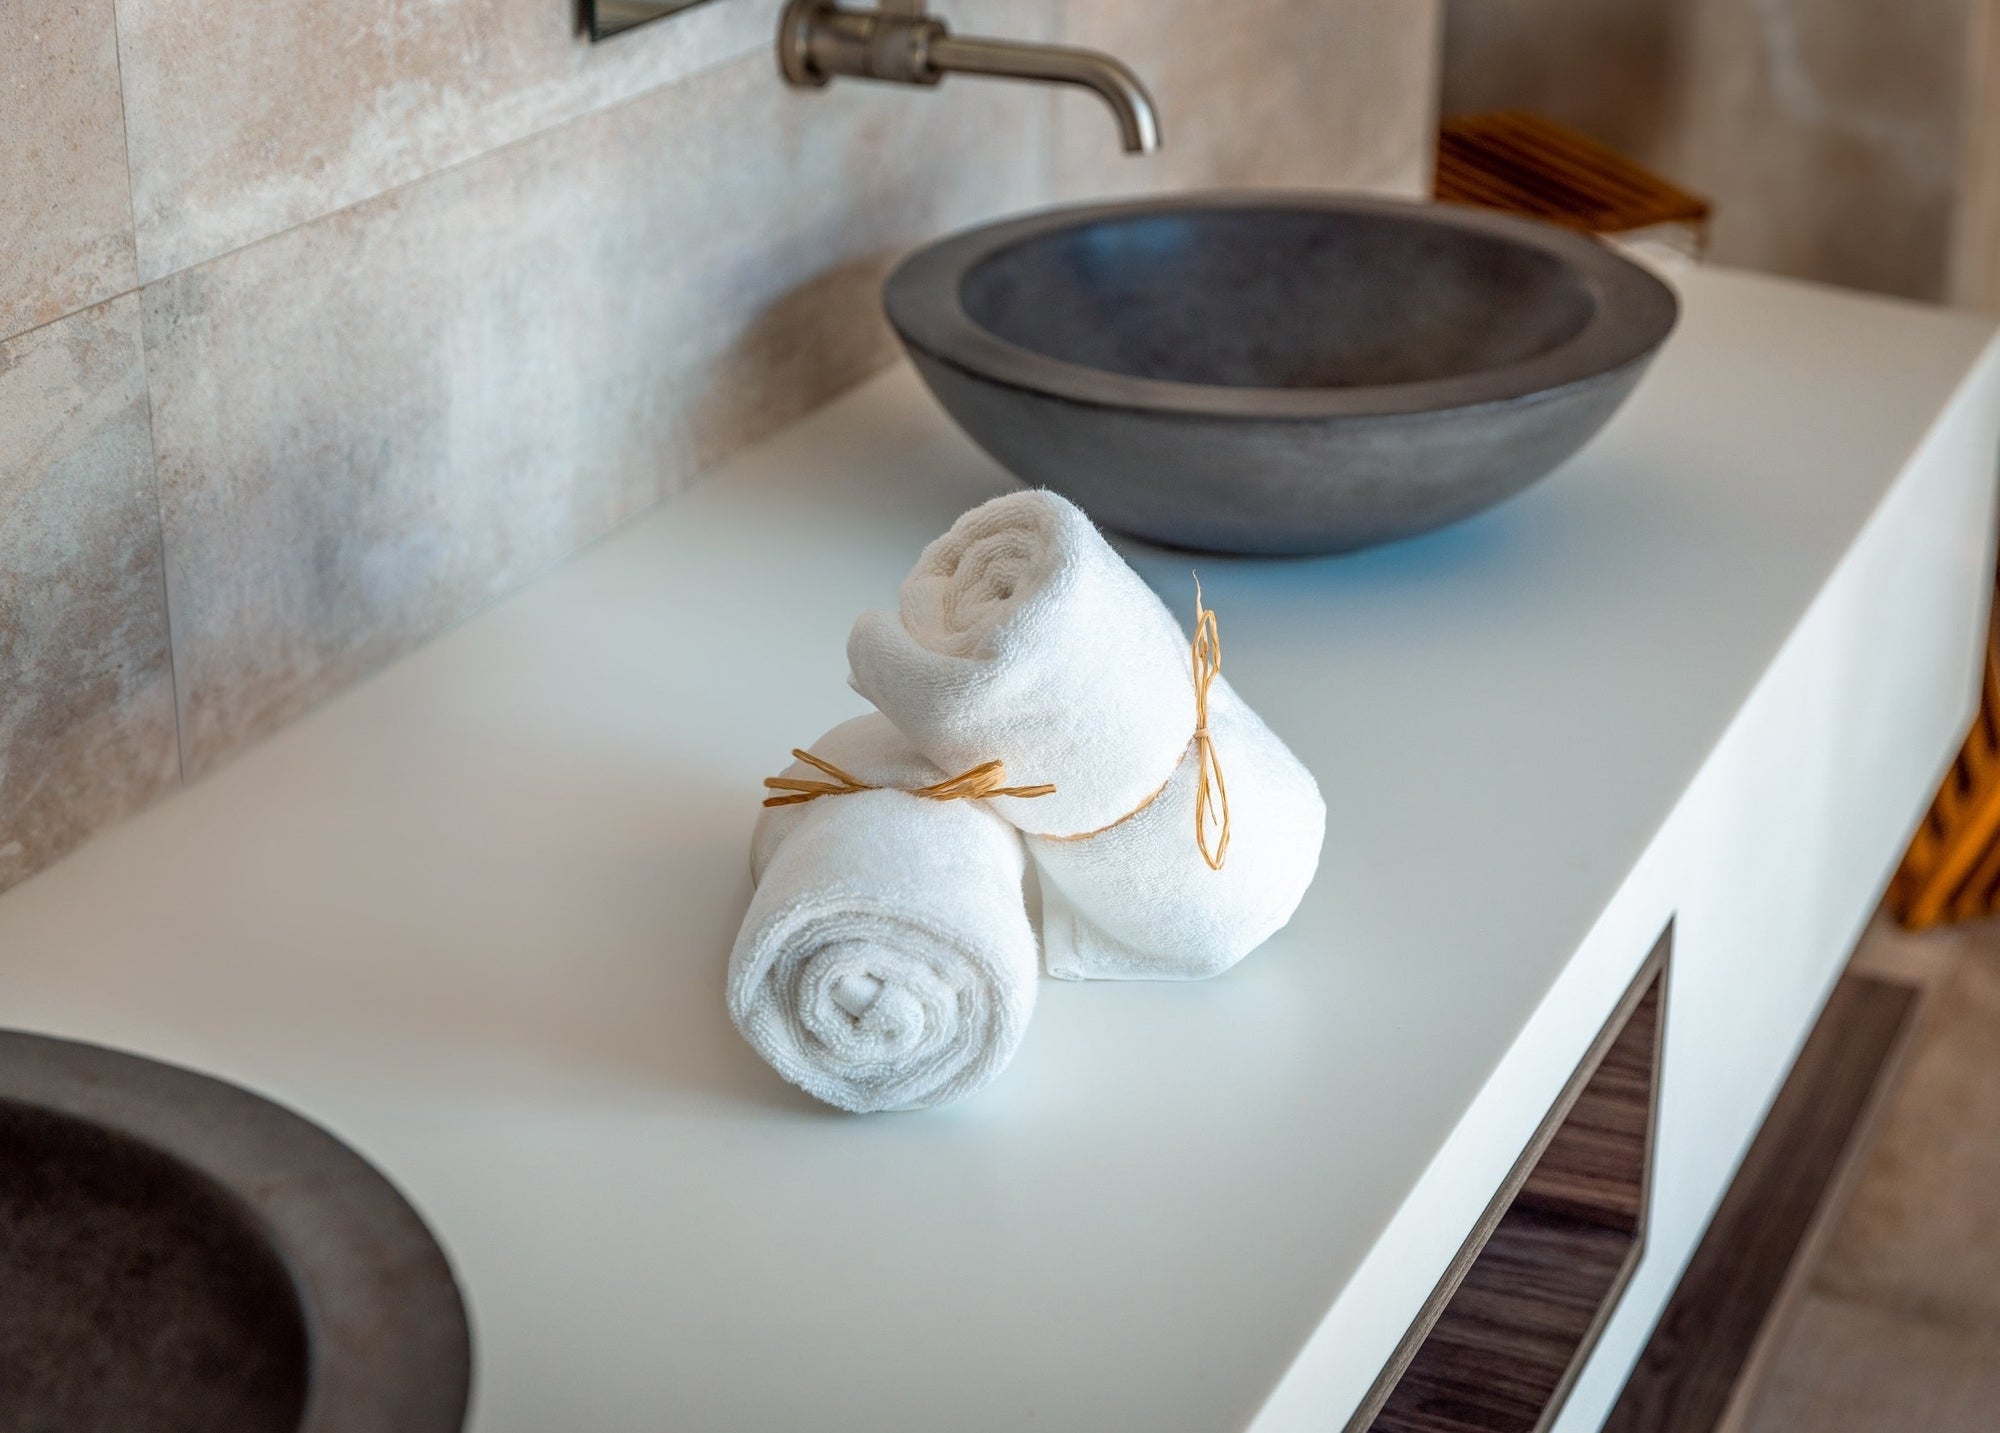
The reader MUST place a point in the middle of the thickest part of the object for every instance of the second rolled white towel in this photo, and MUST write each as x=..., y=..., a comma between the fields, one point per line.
x=886, y=961
x=1022, y=637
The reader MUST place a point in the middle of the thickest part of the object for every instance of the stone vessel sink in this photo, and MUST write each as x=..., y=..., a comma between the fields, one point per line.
x=178, y=1255
x=1284, y=373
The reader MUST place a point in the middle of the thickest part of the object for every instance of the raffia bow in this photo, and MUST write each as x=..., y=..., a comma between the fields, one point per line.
x=981, y=783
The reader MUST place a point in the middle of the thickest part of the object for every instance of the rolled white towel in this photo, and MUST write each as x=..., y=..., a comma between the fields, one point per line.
x=887, y=961
x=1023, y=637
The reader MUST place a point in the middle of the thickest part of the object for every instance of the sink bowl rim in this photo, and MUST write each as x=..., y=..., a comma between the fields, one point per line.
x=388, y=1342
x=1632, y=314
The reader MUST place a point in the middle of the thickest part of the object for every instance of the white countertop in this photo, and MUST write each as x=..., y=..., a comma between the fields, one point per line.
x=473, y=916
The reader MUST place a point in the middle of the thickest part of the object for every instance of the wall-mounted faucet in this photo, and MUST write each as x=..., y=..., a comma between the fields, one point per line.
x=902, y=44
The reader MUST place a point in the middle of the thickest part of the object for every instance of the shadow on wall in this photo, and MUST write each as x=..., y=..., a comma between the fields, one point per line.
x=1611, y=68
x=799, y=351
x=1827, y=132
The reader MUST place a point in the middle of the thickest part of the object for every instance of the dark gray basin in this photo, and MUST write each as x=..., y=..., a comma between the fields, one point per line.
x=1279, y=373
x=178, y=1255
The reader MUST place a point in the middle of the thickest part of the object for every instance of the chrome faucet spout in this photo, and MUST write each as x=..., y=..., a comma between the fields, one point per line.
x=901, y=43
x=1113, y=82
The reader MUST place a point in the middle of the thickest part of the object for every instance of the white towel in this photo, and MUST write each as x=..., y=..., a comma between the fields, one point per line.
x=1023, y=637
x=887, y=961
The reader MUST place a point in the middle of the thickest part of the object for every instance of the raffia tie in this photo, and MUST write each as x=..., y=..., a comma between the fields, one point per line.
x=981, y=783
x=1211, y=800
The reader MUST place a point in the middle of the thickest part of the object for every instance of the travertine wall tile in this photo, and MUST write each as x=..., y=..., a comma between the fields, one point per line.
x=1317, y=93
x=1827, y=131
x=86, y=692
x=439, y=292
x=372, y=425
x=246, y=122
x=65, y=205
x=1975, y=245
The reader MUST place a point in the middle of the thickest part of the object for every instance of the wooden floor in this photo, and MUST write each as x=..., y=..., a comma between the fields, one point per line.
x=1895, y=1326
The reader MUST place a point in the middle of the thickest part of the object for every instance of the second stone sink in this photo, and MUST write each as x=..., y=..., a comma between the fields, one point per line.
x=1281, y=373
x=178, y=1255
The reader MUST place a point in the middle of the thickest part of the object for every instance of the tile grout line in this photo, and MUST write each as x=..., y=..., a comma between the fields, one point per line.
x=143, y=281
x=1051, y=155
x=166, y=579
x=35, y=328
x=698, y=72
x=152, y=432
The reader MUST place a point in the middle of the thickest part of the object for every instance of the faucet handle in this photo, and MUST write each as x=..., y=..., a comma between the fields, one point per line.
x=818, y=39
x=902, y=43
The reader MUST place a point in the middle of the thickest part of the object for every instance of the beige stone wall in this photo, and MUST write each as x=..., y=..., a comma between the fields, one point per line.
x=1975, y=258
x=320, y=332
x=1826, y=131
